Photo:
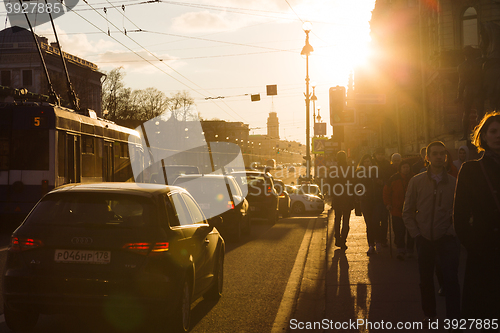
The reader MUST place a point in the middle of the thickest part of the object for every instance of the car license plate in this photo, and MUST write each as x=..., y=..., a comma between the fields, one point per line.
x=82, y=256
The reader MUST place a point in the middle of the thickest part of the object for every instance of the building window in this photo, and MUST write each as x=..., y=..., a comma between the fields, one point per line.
x=5, y=78
x=27, y=77
x=469, y=28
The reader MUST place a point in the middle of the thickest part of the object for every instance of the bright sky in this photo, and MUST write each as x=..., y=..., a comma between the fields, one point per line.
x=226, y=48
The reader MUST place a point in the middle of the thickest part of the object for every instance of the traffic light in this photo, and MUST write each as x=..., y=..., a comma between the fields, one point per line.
x=337, y=104
x=339, y=113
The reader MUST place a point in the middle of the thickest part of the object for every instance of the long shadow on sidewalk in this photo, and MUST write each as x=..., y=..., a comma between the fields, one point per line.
x=370, y=293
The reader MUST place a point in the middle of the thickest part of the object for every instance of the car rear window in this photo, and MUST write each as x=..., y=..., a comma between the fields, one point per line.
x=257, y=185
x=94, y=210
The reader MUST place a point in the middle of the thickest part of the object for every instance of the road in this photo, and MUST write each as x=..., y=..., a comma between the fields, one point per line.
x=255, y=276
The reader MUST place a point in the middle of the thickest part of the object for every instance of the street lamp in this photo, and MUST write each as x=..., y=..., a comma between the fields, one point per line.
x=314, y=99
x=306, y=51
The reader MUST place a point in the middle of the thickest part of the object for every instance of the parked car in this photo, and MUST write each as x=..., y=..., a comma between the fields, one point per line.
x=116, y=247
x=283, y=197
x=172, y=172
x=301, y=202
x=211, y=193
x=262, y=197
x=311, y=189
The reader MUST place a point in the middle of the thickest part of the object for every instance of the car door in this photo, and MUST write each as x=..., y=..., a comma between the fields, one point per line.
x=206, y=238
x=191, y=243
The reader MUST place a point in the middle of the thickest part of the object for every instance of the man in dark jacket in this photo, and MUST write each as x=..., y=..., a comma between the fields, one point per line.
x=380, y=212
x=427, y=214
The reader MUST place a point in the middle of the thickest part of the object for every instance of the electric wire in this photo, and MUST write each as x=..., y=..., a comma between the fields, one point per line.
x=159, y=60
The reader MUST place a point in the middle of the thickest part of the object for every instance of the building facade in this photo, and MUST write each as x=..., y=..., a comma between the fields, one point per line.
x=21, y=67
x=420, y=45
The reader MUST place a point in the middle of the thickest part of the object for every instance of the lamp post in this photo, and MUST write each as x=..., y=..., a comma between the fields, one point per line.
x=314, y=99
x=306, y=51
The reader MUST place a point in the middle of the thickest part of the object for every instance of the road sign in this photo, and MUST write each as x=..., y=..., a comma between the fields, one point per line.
x=320, y=129
x=370, y=99
x=318, y=145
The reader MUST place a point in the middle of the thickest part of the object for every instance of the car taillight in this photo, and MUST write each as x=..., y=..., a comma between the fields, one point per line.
x=160, y=247
x=23, y=244
x=146, y=248
x=282, y=196
x=230, y=205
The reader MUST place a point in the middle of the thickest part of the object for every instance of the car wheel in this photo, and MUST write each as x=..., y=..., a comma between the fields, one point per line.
x=182, y=315
x=215, y=292
x=298, y=208
x=20, y=320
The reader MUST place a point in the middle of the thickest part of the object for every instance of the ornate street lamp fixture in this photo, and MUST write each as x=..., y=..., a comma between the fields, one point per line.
x=306, y=51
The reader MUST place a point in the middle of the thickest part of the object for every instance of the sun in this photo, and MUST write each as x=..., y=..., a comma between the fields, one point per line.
x=344, y=43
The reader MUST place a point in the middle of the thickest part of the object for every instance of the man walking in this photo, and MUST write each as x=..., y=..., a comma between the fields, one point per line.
x=427, y=215
x=380, y=212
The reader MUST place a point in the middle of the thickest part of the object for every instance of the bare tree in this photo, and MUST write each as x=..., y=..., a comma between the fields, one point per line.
x=149, y=103
x=181, y=106
x=143, y=104
x=113, y=91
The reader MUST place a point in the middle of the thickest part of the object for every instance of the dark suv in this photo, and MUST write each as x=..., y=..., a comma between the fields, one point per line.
x=262, y=196
x=120, y=248
x=220, y=195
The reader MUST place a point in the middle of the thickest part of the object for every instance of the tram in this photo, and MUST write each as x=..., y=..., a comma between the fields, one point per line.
x=43, y=146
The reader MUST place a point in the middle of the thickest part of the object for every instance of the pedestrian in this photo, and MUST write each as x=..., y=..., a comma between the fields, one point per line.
x=463, y=156
x=427, y=214
x=343, y=201
x=476, y=215
x=365, y=176
x=395, y=161
x=394, y=198
x=450, y=167
x=381, y=215
x=419, y=166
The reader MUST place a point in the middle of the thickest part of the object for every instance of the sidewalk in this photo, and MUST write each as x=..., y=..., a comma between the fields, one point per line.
x=342, y=288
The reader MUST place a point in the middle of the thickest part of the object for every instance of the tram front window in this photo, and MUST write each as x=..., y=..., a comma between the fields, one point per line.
x=30, y=150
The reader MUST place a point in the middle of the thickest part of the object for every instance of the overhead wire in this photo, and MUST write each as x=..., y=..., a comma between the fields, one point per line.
x=181, y=75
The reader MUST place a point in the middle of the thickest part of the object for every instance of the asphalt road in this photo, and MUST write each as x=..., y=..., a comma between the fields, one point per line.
x=255, y=276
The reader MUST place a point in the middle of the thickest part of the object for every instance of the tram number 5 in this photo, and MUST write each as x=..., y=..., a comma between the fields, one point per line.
x=36, y=121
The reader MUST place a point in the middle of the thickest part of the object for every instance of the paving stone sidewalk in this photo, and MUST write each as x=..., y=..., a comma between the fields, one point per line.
x=341, y=289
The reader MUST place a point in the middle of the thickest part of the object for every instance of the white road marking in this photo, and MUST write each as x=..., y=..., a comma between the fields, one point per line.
x=281, y=322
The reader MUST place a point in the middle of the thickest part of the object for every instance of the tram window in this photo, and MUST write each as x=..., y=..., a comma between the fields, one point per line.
x=5, y=78
x=87, y=144
x=30, y=150
x=60, y=152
